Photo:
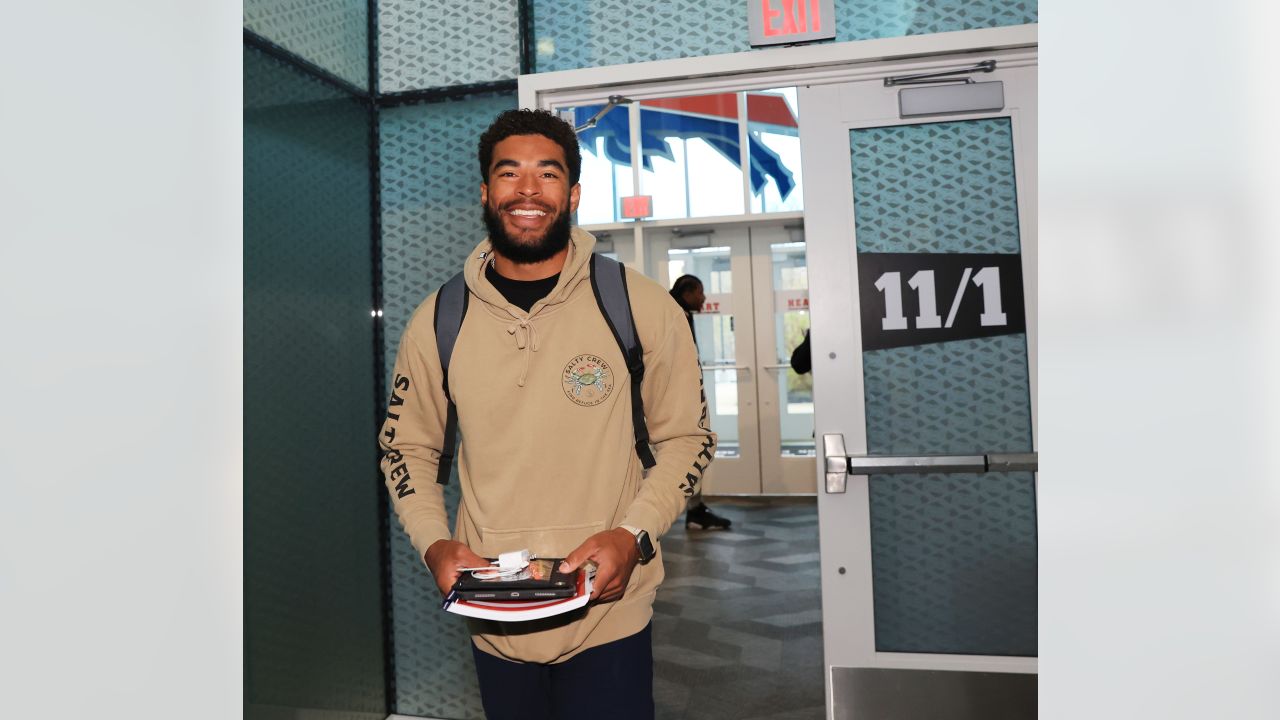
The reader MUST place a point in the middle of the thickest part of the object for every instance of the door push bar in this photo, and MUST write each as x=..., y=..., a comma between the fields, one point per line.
x=840, y=465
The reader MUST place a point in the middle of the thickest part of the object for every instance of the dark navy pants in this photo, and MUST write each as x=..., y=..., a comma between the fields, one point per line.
x=614, y=680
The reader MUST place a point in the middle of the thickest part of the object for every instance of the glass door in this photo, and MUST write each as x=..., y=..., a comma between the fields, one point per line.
x=755, y=279
x=780, y=280
x=725, y=333
x=922, y=269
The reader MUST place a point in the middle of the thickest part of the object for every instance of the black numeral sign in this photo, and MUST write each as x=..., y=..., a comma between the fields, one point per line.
x=917, y=298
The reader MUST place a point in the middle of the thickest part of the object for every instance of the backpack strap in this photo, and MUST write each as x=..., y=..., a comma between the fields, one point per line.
x=451, y=306
x=609, y=283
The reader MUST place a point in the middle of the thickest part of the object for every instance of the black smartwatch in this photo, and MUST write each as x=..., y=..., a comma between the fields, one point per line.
x=644, y=545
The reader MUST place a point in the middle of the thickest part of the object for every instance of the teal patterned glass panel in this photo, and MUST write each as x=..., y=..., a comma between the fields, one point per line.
x=954, y=563
x=935, y=187
x=313, y=612
x=430, y=220
x=953, y=556
x=433, y=43
x=573, y=34
x=967, y=396
x=333, y=34
x=431, y=215
x=863, y=20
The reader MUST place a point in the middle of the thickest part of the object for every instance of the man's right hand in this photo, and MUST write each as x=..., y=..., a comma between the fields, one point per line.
x=444, y=557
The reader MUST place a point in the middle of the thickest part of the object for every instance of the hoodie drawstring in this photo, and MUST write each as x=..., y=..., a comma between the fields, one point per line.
x=526, y=335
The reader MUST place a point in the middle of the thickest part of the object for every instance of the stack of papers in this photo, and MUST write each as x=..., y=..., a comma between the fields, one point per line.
x=522, y=610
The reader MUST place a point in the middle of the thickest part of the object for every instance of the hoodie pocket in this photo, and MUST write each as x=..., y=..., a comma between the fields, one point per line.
x=548, y=542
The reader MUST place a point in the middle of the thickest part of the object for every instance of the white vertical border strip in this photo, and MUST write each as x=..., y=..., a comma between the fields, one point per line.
x=1021, y=102
x=637, y=156
x=121, y=275
x=744, y=152
x=745, y=323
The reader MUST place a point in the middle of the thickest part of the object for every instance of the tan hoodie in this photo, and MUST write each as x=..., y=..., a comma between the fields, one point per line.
x=546, y=459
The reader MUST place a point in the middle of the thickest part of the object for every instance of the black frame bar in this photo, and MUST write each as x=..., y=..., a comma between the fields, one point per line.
x=379, y=361
x=528, y=49
x=441, y=94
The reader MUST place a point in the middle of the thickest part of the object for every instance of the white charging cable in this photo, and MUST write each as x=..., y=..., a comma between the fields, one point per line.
x=508, y=563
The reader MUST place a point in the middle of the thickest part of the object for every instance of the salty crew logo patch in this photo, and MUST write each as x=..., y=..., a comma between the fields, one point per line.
x=587, y=380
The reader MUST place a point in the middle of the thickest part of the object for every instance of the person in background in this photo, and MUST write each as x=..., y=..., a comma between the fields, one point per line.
x=688, y=293
x=801, y=361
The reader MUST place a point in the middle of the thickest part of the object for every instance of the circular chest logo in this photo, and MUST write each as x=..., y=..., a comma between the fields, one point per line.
x=587, y=380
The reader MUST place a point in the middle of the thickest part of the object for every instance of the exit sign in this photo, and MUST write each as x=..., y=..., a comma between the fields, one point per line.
x=777, y=22
x=637, y=206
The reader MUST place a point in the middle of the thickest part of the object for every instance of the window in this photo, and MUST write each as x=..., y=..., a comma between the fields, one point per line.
x=692, y=155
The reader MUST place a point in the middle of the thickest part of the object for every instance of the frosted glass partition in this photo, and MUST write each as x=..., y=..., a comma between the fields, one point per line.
x=868, y=19
x=333, y=34
x=572, y=34
x=437, y=43
x=313, y=611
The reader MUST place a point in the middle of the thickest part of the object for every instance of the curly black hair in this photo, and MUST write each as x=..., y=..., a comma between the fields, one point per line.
x=531, y=122
x=682, y=285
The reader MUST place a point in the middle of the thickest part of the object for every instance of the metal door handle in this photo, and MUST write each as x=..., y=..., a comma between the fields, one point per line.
x=888, y=464
x=989, y=462
x=1013, y=462
x=725, y=367
x=838, y=464
x=777, y=367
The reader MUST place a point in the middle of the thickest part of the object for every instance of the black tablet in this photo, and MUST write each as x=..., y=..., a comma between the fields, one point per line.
x=541, y=580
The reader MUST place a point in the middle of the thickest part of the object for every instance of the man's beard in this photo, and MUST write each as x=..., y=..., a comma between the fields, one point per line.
x=555, y=240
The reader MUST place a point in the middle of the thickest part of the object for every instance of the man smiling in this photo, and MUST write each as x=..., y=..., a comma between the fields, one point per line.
x=548, y=460
x=527, y=210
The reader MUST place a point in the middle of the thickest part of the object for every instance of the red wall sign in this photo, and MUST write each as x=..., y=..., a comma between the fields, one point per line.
x=775, y=22
x=637, y=206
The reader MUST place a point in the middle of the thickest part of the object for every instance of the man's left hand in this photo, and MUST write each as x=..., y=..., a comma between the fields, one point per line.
x=615, y=555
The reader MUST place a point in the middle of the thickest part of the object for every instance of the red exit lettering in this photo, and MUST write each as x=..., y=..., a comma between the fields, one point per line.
x=794, y=19
x=711, y=307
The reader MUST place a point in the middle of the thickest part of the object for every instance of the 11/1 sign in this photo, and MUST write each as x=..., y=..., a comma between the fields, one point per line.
x=982, y=295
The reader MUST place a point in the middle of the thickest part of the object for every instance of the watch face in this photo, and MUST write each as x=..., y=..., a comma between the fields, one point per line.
x=645, y=545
